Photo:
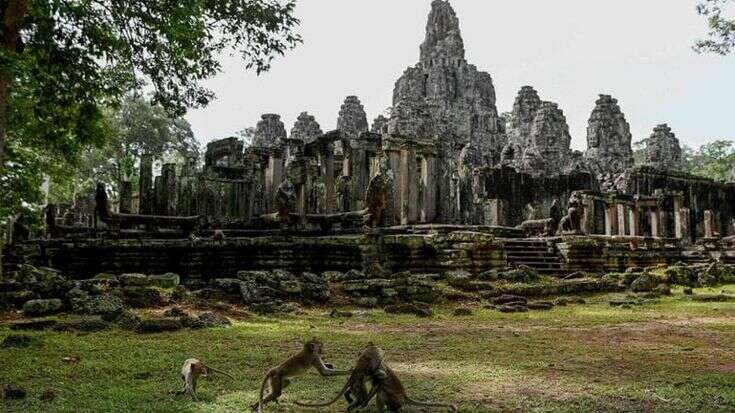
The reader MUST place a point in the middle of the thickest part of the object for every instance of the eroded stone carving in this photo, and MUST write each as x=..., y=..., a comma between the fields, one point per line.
x=306, y=128
x=608, y=138
x=459, y=99
x=269, y=132
x=662, y=149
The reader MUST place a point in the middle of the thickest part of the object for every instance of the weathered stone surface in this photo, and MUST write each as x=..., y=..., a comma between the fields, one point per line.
x=128, y=321
x=210, y=319
x=443, y=96
x=269, y=132
x=380, y=125
x=662, y=150
x=663, y=289
x=540, y=305
x=644, y=283
x=352, y=119
x=33, y=325
x=417, y=309
x=608, y=138
x=306, y=129
x=512, y=308
x=134, y=280
x=142, y=297
x=159, y=325
x=168, y=280
x=35, y=308
x=508, y=298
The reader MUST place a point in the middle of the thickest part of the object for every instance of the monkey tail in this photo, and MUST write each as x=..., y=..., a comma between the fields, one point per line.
x=417, y=403
x=221, y=372
x=262, y=390
x=334, y=400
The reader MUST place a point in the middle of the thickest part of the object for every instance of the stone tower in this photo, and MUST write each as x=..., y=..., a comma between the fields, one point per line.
x=269, y=131
x=608, y=138
x=550, y=137
x=352, y=119
x=524, y=111
x=538, y=135
x=459, y=99
x=662, y=149
x=306, y=128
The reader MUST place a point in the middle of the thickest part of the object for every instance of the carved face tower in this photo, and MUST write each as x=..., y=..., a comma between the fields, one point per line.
x=608, y=138
x=458, y=98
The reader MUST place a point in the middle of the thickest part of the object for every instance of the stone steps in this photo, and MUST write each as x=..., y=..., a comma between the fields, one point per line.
x=533, y=253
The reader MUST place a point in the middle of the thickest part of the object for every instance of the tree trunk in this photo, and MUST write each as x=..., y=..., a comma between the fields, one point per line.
x=13, y=14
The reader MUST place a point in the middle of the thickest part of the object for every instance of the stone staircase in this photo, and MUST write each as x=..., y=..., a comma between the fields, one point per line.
x=534, y=253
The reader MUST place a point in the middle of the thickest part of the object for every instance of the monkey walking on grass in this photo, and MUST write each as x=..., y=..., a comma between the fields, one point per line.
x=310, y=356
x=192, y=370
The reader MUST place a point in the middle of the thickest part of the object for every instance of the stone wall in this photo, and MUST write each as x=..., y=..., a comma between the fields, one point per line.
x=207, y=259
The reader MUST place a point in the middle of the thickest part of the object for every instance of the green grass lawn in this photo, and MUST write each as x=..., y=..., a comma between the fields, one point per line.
x=676, y=356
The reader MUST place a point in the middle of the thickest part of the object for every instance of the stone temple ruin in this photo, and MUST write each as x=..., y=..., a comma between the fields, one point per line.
x=444, y=185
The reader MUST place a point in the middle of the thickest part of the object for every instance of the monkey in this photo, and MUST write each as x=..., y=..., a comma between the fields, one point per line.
x=368, y=365
x=390, y=393
x=218, y=235
x=190, y=373
x=193, y=240
x=309, y=356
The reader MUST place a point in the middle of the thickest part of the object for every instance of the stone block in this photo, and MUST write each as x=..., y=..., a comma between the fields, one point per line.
x=35, y=308
x=168, y=280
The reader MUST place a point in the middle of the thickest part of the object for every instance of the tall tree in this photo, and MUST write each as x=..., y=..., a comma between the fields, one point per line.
x=713, y=160
x=721, y=36
x=136, y=127
x=60, y=60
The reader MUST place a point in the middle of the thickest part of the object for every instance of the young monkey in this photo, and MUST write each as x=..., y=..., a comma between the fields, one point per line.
x=310, y=356
x=190, y=373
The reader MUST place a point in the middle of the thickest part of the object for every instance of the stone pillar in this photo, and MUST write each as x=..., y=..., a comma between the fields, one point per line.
x=588, y=215
x=496, y=212
x=393, y=210
x=709, y=224
x=655, y=224
x=683, y=231
x=611, y=220
x=168, y=201
x=622, y=216
x=409, y=187
x=429, y=183
x=126, y=197
x=360, y=174
x=273, y=177
x=145, y=190
x=327, y=161
x=157, y=196
x=633, y=218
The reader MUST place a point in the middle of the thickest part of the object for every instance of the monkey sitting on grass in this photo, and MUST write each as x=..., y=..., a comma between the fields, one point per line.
x=192, y=370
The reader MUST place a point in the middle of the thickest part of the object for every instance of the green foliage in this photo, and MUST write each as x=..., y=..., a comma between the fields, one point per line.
x=721, y=36
x=136, y=127
x=62, y=63
x=715, y=160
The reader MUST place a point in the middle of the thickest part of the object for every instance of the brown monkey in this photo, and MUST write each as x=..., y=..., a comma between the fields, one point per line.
x=368, y=365
x=390, y=393
x=310, y=356
x=190, y=373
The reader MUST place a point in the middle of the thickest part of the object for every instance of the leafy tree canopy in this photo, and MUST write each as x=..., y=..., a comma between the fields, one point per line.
x=721, y=36
x=61, y=60
x=714, y=160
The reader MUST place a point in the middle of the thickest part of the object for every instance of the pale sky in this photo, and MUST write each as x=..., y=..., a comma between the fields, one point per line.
x=569, y=50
